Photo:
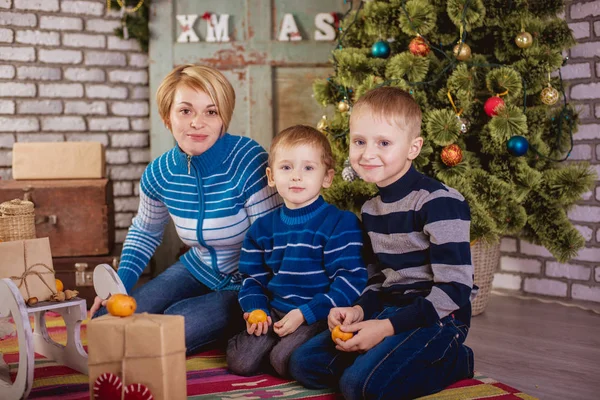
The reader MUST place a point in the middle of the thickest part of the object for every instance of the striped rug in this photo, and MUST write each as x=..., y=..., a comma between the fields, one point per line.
x=208, y=378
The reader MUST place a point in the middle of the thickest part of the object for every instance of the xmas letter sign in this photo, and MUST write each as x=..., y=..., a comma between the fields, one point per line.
x=217, y=28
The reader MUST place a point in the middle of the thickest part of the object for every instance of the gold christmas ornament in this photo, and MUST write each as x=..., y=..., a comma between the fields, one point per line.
x=549, y=95
x=451, y=155
x=322, y=124
x=343, y=106
x=462, y=51
x=524, y=40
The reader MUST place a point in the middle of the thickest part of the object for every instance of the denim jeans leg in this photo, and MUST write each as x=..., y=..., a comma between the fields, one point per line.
x=246, y=353
x=209, y=318
x=172, y=285
x=317, y=364
x=408, y=365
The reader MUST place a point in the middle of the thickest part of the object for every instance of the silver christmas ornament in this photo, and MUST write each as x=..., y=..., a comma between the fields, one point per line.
x=464, y=124
x=348, y=173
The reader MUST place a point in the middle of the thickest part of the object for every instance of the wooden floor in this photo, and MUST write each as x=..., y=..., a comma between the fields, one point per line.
x=546, y=350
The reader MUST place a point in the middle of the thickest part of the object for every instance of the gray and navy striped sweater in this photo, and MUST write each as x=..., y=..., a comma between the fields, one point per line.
x=419, y=231
x=308, y=258
x=212, y=198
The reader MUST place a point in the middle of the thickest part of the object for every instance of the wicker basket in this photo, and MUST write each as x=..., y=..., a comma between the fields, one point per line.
x=17, y=220
x=486, y=258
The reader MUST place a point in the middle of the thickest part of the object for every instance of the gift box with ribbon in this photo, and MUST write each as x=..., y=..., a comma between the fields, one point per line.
x=28, y=263
x=143, y=351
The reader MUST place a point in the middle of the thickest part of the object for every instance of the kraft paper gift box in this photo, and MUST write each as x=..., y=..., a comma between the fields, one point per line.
x=28, y=263
x=144, y=348
x=61, y=160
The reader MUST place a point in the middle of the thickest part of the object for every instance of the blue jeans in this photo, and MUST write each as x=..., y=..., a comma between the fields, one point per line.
x=209, y=316
x=403, y=366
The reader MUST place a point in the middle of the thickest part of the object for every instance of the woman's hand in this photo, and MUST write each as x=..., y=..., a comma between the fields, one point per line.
x=98, y=302
x=367, y=334
x=289, y=323
x=257, y=329
x=344, y=316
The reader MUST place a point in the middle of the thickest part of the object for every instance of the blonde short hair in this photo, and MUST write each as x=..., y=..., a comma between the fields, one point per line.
x=301, y=134
x=393, y=104
x=198, y=77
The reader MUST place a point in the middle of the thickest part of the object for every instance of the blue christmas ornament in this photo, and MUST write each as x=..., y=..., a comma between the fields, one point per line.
x=380, y=49
x=517, y=146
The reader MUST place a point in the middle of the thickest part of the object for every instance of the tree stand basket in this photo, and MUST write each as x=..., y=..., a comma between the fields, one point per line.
x=486, y=258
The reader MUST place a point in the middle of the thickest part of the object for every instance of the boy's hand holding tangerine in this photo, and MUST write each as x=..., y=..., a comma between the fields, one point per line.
x=344, y=316
x=367, y=334
x=257, y=322
x=289, y=323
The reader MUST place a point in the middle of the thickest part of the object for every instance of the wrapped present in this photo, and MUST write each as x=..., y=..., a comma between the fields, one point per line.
x=29, y=264
x=141, y=351
x=60, y=160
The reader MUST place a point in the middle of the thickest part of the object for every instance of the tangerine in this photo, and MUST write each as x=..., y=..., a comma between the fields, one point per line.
x=257, y=316
x=59, y=285
x=121, y=305
x=337, y=333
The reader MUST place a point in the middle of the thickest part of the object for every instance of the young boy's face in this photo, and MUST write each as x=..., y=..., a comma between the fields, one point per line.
x=380, y=152
x=299, y=174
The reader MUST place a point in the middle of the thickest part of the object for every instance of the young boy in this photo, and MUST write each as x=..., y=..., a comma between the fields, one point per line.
x=298, y=261
x=411, y=321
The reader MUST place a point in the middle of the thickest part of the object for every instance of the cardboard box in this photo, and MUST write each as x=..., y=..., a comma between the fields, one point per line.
x=60, y=160
x=29, y=264
x=143, y=348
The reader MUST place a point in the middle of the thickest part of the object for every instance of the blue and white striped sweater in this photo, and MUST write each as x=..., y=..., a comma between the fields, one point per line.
x=212, y=206
x=309, y=258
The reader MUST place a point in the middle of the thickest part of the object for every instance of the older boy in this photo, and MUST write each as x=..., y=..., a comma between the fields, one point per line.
x=298, y=261
x=412, y=319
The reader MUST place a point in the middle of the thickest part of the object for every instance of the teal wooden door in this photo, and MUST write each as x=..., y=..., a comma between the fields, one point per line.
x=272, y=78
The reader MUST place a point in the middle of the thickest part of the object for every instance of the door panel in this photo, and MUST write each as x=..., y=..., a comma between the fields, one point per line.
x=272, y=79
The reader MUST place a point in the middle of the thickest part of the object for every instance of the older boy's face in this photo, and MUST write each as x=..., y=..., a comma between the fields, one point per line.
x=380, y=152
x=299, y=174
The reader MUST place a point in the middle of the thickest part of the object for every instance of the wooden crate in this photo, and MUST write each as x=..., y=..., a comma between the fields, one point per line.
x=76, y=215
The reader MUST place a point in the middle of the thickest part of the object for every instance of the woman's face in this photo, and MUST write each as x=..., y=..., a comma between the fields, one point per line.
x=194, y=120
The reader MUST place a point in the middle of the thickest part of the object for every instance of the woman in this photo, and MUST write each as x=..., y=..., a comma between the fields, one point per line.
x=213, y=185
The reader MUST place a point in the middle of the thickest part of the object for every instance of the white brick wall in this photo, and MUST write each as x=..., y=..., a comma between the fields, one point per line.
x=65, y=76
x=529, y=268
x=17, y=53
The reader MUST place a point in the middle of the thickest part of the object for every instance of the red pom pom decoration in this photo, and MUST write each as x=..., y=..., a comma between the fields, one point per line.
x=419, y=47
x=108, y=387
x=137, y=391
x=492, y=105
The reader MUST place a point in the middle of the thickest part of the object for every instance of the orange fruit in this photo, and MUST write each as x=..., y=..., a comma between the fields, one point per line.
x=257, y=316
x=337, y=333
x=59, y=285
x=121, y=305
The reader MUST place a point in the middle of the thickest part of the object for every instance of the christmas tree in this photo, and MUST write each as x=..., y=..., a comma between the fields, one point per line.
x=496, y=124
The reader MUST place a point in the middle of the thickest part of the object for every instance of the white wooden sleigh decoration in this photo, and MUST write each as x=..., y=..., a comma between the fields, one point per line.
x=74, y=312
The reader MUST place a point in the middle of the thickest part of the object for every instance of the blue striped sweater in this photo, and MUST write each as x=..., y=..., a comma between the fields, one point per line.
x=419, y=231
x=212, y=198
x=308, y=258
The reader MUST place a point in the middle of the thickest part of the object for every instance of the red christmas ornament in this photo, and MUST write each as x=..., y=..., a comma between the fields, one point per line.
x=108, y=387
x=492, y=105
x=419, y=47
x=206, y=16
x=451, y=155
x=137, y=391
x=336, y=20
